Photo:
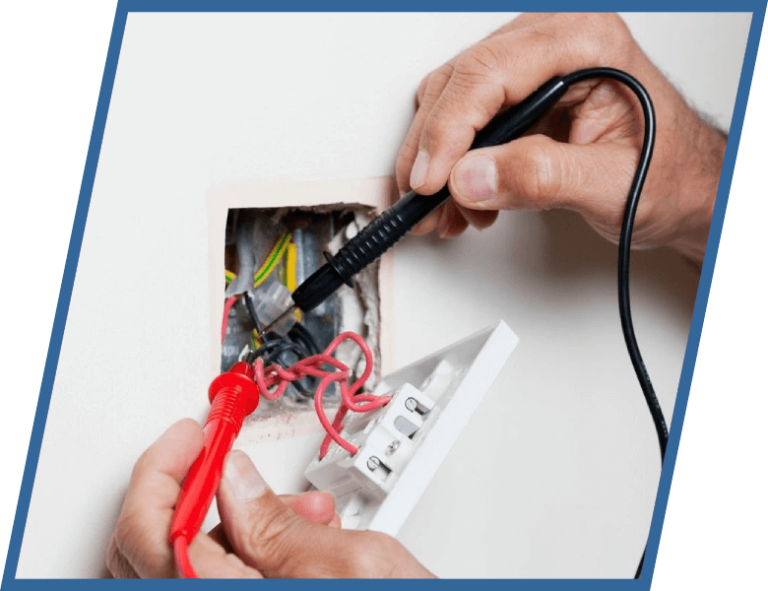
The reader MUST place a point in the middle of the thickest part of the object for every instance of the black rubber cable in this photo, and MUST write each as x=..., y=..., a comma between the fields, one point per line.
x=625, y=241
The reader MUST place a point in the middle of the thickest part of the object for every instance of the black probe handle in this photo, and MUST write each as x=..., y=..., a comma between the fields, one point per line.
x=394, y=223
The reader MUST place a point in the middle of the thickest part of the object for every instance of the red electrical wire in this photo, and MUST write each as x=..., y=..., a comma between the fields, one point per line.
x=227, y=309
x=273, y=380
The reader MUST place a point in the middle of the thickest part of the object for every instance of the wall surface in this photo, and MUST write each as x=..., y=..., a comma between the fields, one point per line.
x=556, y=473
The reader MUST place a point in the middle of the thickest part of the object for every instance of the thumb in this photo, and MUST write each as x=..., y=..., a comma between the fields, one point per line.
x=536, y=173
x=265, y=532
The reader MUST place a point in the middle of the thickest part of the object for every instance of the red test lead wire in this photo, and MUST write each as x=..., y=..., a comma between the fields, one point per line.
x=233, y=396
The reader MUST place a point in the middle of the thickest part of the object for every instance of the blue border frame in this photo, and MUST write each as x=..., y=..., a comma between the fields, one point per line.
x=756, y=7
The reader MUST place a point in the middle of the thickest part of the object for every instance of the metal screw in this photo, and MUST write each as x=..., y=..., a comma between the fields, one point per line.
x=411, y=404
x=392, y=447
x=373, y=463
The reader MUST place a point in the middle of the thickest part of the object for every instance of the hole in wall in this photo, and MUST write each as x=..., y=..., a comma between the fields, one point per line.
x=268, y=253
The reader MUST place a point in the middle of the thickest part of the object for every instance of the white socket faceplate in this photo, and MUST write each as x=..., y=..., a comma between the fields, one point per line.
x=401, y=446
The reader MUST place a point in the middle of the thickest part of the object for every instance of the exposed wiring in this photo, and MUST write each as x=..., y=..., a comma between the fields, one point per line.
x=255, y=341
x=272, y=261
x=229, y=276
x=274, y=379
x=228, y=303
x=274, y=349
x=291, y=275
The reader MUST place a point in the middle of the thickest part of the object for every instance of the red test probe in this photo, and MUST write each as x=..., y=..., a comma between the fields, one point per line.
x=233, y=396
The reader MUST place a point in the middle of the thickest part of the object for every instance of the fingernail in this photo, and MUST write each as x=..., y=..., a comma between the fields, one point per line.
x=475, y=178
x=419, y=170
x=244, y=480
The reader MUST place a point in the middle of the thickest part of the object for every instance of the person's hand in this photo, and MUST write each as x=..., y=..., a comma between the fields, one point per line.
x=586, y=151
x=261, y=534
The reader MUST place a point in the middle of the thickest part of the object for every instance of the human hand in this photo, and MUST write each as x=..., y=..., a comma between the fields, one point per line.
x=584, y=155
x=261, y=534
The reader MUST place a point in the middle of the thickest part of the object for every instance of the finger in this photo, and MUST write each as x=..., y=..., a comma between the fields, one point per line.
x=157, y=476
x=536, y=173
x=211, y=561
x=265, y=532
x=429, y=91
x=452, y=222
x=429, y=223
x=117, y=564
x=218, y=535
x=478, y=218
x=141, y=534
x=317, y=506
x=271, y=537
x=499, y=72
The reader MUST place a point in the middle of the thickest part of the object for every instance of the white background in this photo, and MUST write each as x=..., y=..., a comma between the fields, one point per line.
x=196, y=106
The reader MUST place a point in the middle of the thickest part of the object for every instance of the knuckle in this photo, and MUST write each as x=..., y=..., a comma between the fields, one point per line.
x=145, y=463
x=402, y=165
x=432, y=86
x=435, y=130
x=440, y=77
x=480, y=62
x=538, y=182
x=272, y=536
x=605, y=34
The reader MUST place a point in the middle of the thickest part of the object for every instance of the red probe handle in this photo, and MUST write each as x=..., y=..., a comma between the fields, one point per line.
x=233, y=396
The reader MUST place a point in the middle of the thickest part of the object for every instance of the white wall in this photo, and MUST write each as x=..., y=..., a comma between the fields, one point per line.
x=556, y=474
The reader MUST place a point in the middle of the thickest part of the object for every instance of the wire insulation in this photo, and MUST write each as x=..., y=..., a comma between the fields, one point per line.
x=272, y=261
x=625, y=241
x=229, y=302
x=273, y=381
x=181, y=554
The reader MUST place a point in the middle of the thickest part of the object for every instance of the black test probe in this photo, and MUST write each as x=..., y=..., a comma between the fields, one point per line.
x=389, y=227
x=394, y=223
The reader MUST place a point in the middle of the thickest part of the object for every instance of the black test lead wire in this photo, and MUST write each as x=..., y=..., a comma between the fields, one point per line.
x=625, y=240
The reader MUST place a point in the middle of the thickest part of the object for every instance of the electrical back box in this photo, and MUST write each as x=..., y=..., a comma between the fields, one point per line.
x=249, y=223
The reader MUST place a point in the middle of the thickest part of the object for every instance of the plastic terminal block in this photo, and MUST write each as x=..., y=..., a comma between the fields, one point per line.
x=401, y=445
x=385, y=442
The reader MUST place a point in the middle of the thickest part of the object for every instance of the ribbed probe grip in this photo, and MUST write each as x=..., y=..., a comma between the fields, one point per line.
x=230, y=406
x=389, y=227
